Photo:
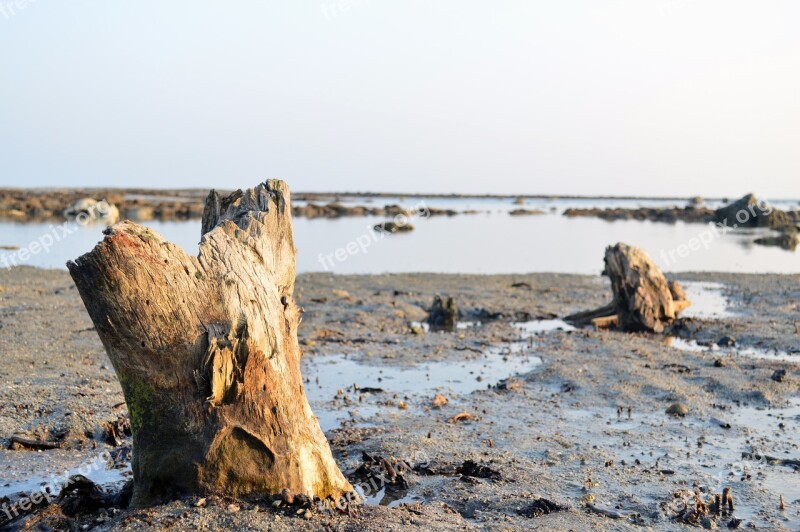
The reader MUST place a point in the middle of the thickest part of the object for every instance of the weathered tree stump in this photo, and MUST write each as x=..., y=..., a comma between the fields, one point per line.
x=443, y=314
x=643, y=299
x=206, y=351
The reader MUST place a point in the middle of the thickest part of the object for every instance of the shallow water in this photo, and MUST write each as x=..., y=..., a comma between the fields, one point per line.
x=750, y=352
x=537, y=327
x=490, y=242
x=335, y=384
x=104, y=474
x=328, y=375
x=708, y=301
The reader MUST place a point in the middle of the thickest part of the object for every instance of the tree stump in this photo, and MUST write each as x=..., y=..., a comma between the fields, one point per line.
x=643, y=299
x=443, y=314
x=207, y=354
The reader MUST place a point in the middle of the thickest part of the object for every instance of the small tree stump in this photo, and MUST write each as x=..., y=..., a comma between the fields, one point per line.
x=443, y=314
x=643, y=299
x=206, y=351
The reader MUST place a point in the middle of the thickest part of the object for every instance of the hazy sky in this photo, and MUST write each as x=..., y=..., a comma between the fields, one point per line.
x=659, y=97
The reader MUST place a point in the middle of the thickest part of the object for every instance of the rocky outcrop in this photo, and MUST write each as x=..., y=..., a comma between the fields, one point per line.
x=671, y=215
x=89, y=210
x=526, y=212
x=752, y=212
x=785, y=239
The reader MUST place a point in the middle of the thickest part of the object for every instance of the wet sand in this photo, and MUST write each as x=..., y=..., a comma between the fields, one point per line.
x=555, y=432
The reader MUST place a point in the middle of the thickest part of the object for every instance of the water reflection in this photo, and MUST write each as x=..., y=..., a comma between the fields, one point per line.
x=481, y=243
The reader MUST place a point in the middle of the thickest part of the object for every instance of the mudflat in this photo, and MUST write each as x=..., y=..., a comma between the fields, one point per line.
x=542, y=427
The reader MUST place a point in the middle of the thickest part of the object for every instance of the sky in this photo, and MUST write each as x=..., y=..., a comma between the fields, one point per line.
x=579, y=97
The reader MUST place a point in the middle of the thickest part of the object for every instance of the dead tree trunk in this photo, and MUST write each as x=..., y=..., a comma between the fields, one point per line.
x=206, y=351
x=643, y=299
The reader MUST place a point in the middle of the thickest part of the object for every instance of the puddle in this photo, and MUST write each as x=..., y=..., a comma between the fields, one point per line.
x=460, y=326
x=367, y=387
x=394, y=497
x=372, y=383
x=708, y=301
x=537, y=327
x=750, y=352
x=98, y=470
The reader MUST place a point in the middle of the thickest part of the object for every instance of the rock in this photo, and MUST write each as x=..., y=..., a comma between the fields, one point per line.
x=727, y=341
x=540, y=507
x=287, y=497
x=417, y=329
x=677, y=410
x=779, y=375
x=734, y=523
x=708, y=523
x=443, y=314
x=393, y=227
x=470, y=468
x=786, y=239
x=439, y=401
x=509, y=384
x=461, y=417
x=526, y=212
x=719, y=363
x=90, y=210
x=749, y=211
x=669, y=215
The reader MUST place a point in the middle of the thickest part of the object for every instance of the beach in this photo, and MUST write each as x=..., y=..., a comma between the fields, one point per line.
x=578, y=421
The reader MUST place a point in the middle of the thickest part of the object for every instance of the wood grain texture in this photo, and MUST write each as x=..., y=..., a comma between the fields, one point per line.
x=207, y=354
x=643, y=300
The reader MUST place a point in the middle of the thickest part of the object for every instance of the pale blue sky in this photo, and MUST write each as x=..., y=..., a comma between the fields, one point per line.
x=672, y=97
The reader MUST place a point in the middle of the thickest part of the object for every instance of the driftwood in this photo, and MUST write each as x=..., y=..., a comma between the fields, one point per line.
x=643, y=299
x=206, y=351
x=28, y=443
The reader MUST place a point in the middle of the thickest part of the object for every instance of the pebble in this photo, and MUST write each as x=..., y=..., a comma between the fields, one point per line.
x=708, y=523
x=678, y=409
x=727, y=341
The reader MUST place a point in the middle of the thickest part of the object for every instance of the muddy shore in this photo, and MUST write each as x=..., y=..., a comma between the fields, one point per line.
x=555, y=449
